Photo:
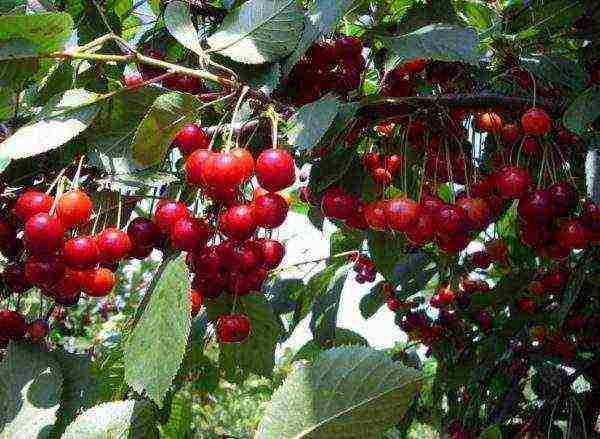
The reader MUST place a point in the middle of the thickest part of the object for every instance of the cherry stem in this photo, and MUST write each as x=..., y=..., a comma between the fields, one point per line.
x=235, y=113
x=75, y=182
x=314, y=261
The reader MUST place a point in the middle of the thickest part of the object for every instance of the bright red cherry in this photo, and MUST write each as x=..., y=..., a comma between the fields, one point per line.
x=38, y=330
x=31, y=203
x=536, y=122
x=270, y=210
x=15, y=279
x=513, y=182
x=372, y=161
x=190, y=234
x=275, y=169
x=451, y=219
x=197, y=300
x=238, y=222
x=401, y=213
x=423, y=230
x=393, y=304
x=537, y=207
x=193, y=166
x=168, y=213
x=44, y=271
x=99, y=282
x=382, y=176
x=489, y=123
x=246, y=162
x=375, y=215
x=510, y=133
x=564, y=198
x=415, y=66
x=338, y=203
x=143, y=232
x=393, y=163
x=81, y=252
x=477, y=210
x=113, y=244
x=43, y=234
x=233, y=328
x=572, y=234
x=272, y=252
x=223, y=169
x=190, y=138
x=74, y=208
x=12, y=324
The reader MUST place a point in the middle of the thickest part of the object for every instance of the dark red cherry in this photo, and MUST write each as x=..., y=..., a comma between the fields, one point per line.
x=530, y=146
x=482, y=188
x=184, y=83
x=451, y=220
x=513, y=182
x=510, y=133
x=143, y=232
x=43, y=234
x=393, y=304
x=535, y=235
x=81, y=252
x=431, y=204
x=140, y=252
x=358, y=221
x=537, y=207
x=401, y=213
x=169, y=212
x=272, y=252
x=238, y=222
x=372, y=161
x=590, y=215
x=208, y=261
x=113, y=244
x=321, y=55
x=375, y=215
x=99, y=282
x=15, y=279
x=31, y=203
x=564, y=198
x=477, y=210
x=74, y=208
x=67, y=289
x=190, y=234
x=382, y=176
x=572, y=234
x=233, y=328
x=223, y=169
x=190, y=138
x=348, y=48
x=270, y=210
x=555, y=280
x=246, y=257
x=44, y=271
x=275, y=169
x=481, y=259
x=12, y=324
x=423, y=230
x=338, y=203
x=453, y=243
x=526, y=305
x=38, y=330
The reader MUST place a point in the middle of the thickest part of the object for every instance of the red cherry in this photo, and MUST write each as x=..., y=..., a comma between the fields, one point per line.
x=530, y=146
x=401, y=213
x=536, y=122
x=537, y=207
x=535, y=235
x=451, y=220
x=193, y=167
x=348, y=48
x=275, y=169
x=184, y=83
x=510, y=133
x=555, y=280
x=572, y=234
x=415, y=66
x=431, y=204
x=564, y=198
x=140, y=252
x=423, y=230
x=382, y=176
x=38, y=330
x=81, y=252
x=238, y=222
x=393, y=163
x=12, y=324
x=168, y=213
x=132, y=79
x=393, y=304
x=445, y=296
x=98, y=282
x=375, y=215
x=481, y=188
x=45, y=270
x=197, y=301
x=453, y=243
x=223, y=169
x=15, y=279
x=233, y=328
x=590, y=215
x=339, y=204
x=481, y=259
x=477, y=210
x=43, y=234
x=513, y=182
x=246, y=162
x=190, y=234
x=358, y=221
x=113, y=244
x=190, y=138
x=372, y=161
x=270, y=210
x=74, y=208
x=321, y=55
x=536, y=287
x=67, y=290
x=246, y=256
x=143, y=232
x=526, y=305
x=489, y=123
x=31, y=203
x=272, y=252
x=208, y=261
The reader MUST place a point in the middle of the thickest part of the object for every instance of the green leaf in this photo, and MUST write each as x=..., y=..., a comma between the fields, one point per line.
x=583, y=112
x=343, y=337
x=326, y=306
x=557, y=70
x=257, y=354
x=282, y=294
x=386, y=251
x=325, y=14
x=157, y=344
x=345, y=240
x=25, y=36
x=309, y=35
x=180, y=420
x=350, y=392
x=179, y=23
x=63, y=118
x=479, y=15
x=371, y=302
x=169, y=113
x=7, y=6
x=30, y=388
x=113, y=420
x=259, y=31
x=315, y=285
x=443, y=42
x=330, y=169
x=311, y=121
x=492, y=432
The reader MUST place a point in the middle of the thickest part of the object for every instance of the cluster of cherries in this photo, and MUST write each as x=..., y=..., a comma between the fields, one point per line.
x=237, y=260
x=326, y=67
x=363, y=267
